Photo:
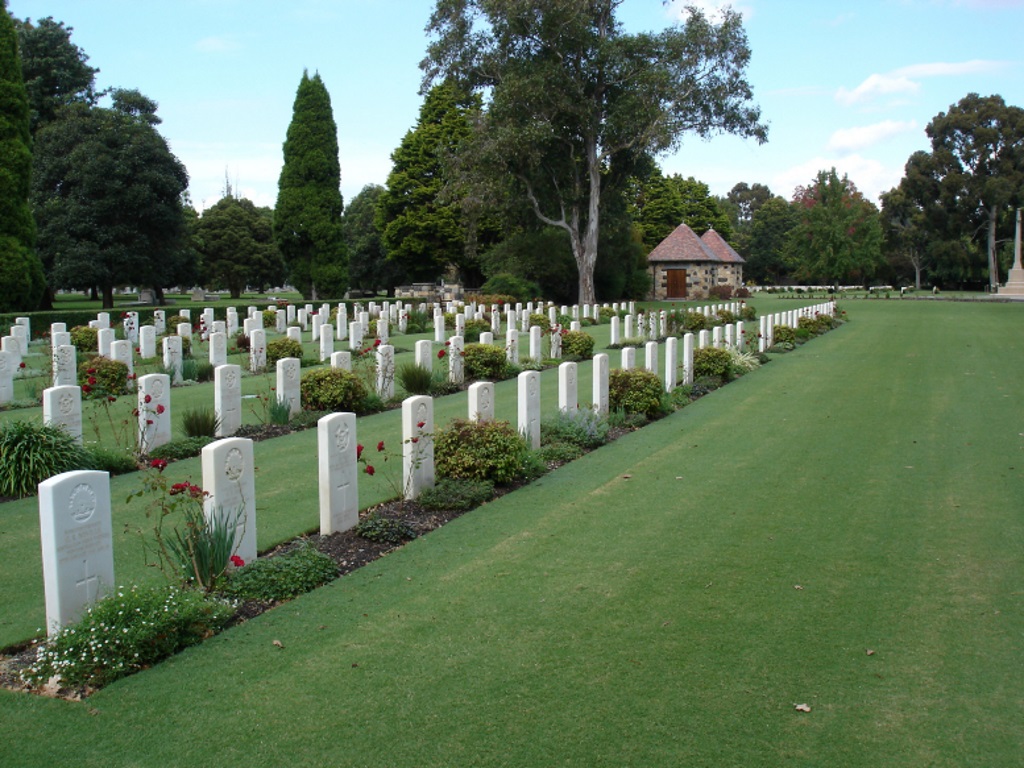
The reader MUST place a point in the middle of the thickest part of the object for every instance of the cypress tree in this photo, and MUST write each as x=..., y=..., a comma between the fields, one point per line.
x=21, y=273
x=307, y=218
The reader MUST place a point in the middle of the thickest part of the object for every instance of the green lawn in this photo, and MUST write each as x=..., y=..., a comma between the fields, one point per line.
x=665, y=601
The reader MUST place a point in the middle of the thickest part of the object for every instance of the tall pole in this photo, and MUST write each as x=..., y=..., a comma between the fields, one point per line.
x=1016, y=244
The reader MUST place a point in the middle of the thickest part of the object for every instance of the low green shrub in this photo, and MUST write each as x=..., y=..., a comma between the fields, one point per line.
x=183, y=448
x=241, y=341
x=606, y=314
x=85, y=339
x=635, y=391
x=712, y=361
x=278, y=411
x=485, y=362
x=186, y=344
x=375, y=527
x=726, y=316
x=417, y=322
x=457, y=494
x=31, y=453
x=743, y=362
x=540, y=320
x=511, y=286
x=279, y=349
x=205, y=370
x=782, y=334
x=747, y=312
x=201, y=421
x=100, y=377
x=480, y=450
x=270, y=319
x=129, y=631
x=414, y=379
x=112, y=460
x=474, y=328
x=695, y=321
x=578, y=344
x=282, y=577
x=189, y=369
x=560, y=453
x=584, y=428
x=332, y=389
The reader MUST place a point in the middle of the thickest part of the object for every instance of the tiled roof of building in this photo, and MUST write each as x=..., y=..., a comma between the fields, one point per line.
x=682, y=244
x=717, y=245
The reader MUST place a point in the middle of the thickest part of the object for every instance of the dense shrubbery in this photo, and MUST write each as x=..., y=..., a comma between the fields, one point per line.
x=375, y=527
x=31, y=453
x=279, y=349
x=712, y=361
x=541, y=320
x=782, y=334
x=131, y=630
x=413, y=378
x=578, y=344
x=183, y=448
x=456, y=494
x=747, y=312
x=269, y=318
x=480, y=450
x=583, y=428
x=85, y=339
x=101, y=377
x=635, y=391
x=485, y=362
x=511, y=287
x=695, y=321
x=283, y=577
x=332, y=389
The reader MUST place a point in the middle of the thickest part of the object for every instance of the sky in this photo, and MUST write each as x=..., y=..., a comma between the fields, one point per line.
x=849, y=85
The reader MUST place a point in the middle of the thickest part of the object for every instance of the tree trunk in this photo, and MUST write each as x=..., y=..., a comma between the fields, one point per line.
x=993, y=265
x=108, y=297
x=158, y=295
x=586, y=261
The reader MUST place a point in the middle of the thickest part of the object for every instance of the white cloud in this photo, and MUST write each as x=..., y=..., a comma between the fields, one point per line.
x=847, y=140
x=871, y=177
x=678, y=9
x=904, y=80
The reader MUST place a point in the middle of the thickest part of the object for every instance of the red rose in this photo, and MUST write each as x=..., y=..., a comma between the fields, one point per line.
x=237, y=561
x=369, y=469
x=159, y=464
x=440, y=354
x=359, y=451
x=86, y=388
x=147, y=399
x=421, y=424
x=160, y=409
x=380, y=446
x=376, y=343
x=92, y=381
x=21, y=365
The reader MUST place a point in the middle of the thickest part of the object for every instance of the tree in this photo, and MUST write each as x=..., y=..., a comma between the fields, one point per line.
x=837, y=235
x=236, y=243
x=21, y=274
x=422, y=227
x=975, y=171
x=665, y=202
x=108, y=195
x=740, y=205
x=770, y=229
x=906, y=236
x=307, y=218
x=572, y=95
x=369, y=268
x=55, y=69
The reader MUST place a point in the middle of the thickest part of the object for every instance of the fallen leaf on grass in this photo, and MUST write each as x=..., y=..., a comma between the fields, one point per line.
x=626, y=477
x=797, y=586
x=802, y=707
x=870, y=652
x=279, y=644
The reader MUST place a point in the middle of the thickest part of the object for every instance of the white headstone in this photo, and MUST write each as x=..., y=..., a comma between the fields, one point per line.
x=687, y=358
x=185, y=330
x=122, y=352
x=671, y=362
x=512, y=345
x=600, y=384
x=556, y=342
x=295, y=333
x=338, y=472
x=481, y=401
x=628, y=358
x=7, y=369
x=487, y=337
x=289, y=376
x=317, y=321
x=159, y=322
x=535, y=338
x=280, y=321
x=456, y=361
x=326, y=341
x=172, y=357
x=424, y=354
x=568, y=388
x=228, y=478
x=147, y=342
x=417, y=445
x=65, y=365
x=355, y=335
x=651, y=357
x=77, y=544
x=385, y=360
x=342, y=360
x=257, y=350
x=341, y=322
x=529, y=407
x=103, y=320
x=218, y=349
x=104, y=338
x=439, y=330
x=615, y=337
x=154, y=408
x=227, y=398
x=62, y=407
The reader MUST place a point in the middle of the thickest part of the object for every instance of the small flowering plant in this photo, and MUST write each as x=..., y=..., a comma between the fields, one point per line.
x=190, y=547
x=382, y=452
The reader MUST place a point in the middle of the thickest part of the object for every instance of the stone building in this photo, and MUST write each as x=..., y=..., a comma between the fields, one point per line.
x=684, y=266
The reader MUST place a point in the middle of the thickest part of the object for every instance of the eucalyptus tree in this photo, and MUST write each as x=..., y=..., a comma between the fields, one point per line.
x=570, y=94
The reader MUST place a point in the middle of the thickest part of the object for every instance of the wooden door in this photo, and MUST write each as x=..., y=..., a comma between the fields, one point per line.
x=676, y=283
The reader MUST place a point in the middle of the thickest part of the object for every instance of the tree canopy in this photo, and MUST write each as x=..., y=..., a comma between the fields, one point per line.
x=572, y=96
x=369, y=268
x=422, y=227
x=56, y=71
x=108, y=194
x=307, y=217
x=974, y=175
x=837, y=236
x=235, y=241
x=21, y=274
x=768, y=241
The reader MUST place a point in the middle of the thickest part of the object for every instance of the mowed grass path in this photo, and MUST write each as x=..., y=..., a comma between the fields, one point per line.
x=665, y=601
